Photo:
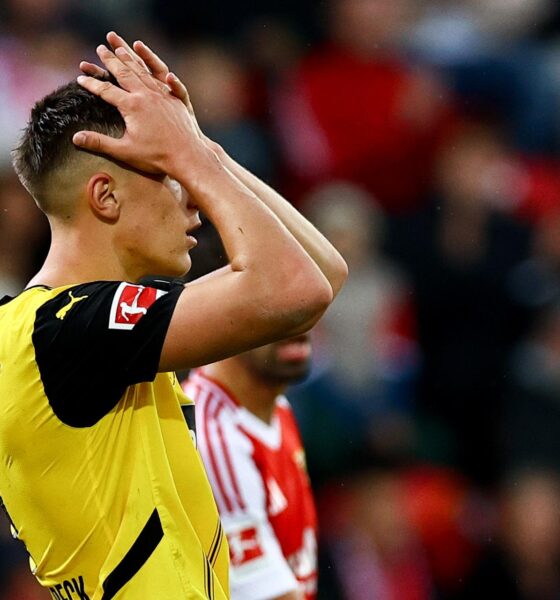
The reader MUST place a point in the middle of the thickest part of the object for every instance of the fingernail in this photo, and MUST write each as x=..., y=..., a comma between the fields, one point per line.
x=81, y=78
x=79, y=138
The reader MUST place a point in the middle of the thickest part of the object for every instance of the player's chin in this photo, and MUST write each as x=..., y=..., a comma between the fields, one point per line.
x=178, y=268
x=293, y=371
x=185, y=266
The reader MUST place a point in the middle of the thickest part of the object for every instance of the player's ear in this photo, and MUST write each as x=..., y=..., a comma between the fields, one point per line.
x=101, y=198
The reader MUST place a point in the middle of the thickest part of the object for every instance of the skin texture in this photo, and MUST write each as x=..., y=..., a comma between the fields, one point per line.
x=129, y=221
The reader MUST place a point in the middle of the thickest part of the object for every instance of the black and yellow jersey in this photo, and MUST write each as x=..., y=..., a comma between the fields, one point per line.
x=98, y=472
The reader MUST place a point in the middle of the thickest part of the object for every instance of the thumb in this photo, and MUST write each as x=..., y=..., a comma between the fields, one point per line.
x=95, y=142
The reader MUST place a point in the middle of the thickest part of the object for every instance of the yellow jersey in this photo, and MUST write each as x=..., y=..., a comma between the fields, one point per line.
x=99, y=474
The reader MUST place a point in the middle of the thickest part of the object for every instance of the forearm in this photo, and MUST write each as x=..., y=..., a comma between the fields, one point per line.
x=254, y=238
x=323, y=253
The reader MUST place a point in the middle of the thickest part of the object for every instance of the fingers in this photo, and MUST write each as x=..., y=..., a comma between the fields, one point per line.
x=177, y=87
x=161, y=72
x=118, y=64
x=96, y=142
x=158, y=68
x=117, y=41
x=141, y=60
x=93, y=70
x=104, y=89
x=136, y=64
x=139, y=70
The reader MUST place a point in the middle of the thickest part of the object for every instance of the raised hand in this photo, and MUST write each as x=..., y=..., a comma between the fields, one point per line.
x=145, y=59
x=161, y=130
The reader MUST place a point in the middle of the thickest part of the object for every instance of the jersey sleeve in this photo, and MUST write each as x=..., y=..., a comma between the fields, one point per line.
x=258, y=567
x=94, y=340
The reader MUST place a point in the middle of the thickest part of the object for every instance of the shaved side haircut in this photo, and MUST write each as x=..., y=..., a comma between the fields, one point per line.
x=46, y=149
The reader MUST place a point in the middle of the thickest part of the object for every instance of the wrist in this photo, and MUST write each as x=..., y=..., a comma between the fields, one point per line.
x=188, y=166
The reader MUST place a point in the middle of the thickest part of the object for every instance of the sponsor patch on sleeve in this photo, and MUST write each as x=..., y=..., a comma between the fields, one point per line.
x=130, y=304
x=244, y=546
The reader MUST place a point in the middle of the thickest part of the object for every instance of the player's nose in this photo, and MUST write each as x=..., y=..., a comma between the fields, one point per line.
x=189, y=201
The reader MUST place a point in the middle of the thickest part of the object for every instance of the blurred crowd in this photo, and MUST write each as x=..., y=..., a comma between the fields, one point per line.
x=422, y=137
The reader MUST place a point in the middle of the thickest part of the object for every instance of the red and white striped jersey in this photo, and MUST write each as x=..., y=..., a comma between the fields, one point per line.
x=260, y=483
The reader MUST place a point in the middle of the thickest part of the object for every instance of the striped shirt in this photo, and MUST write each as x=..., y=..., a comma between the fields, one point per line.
x=258, y=475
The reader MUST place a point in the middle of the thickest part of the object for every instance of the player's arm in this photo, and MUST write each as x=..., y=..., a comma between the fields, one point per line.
x=273, y=288
x=327, y=258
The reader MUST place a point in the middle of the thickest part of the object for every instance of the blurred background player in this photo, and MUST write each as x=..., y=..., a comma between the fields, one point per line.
x=250, y=443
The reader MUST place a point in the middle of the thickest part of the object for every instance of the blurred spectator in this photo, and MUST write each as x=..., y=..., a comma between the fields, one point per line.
x=37, y=54
x=130, y=17
x=183, y=20
x=272, y=48
x=23, y=230
x=536, y=281
x=373, y=551
x=365, y=351
x=26, y=18
x=217, y=84
x=451, y=519
x=23, y=586
x=531, y=416
x=460, y=253
x=523, y=561
x=485, y=51
x=16, y=580
x=356, y=110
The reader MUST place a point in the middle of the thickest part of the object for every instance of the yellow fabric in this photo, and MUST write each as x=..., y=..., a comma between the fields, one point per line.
x=79, y=497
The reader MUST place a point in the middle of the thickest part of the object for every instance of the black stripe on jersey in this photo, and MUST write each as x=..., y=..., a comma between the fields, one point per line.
x=150, y=536
x=208, y=579
x=216, y=544
x=188, y=413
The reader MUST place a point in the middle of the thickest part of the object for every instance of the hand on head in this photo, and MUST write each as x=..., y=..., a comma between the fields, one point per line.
x=159, y=118
x=146, y=60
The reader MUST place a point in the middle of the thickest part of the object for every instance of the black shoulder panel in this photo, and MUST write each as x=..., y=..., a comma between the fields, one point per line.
x=94, y=340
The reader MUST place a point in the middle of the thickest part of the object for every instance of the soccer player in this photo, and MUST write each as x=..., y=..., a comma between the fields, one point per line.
x=250, y=444
x=98, y=472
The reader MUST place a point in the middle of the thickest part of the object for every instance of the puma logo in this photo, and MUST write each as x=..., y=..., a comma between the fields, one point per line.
x=64, y=310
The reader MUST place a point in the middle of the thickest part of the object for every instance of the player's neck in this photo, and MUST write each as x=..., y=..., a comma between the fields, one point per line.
x=256, y=395
x=76, y=256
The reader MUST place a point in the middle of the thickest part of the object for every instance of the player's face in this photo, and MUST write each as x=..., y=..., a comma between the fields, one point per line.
x=281, y=362
x=159, y=218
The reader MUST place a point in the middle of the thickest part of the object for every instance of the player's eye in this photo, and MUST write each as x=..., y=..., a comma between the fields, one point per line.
x=175, y=188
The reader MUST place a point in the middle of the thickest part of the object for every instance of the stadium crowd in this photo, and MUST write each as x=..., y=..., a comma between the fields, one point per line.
x=423, y=139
